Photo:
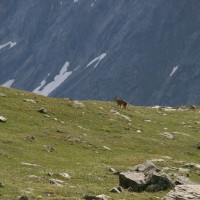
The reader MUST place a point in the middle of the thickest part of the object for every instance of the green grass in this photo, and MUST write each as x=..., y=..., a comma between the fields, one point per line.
x=84, y=157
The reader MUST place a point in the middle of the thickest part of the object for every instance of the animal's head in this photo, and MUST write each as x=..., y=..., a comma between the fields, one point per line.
x=116, y=98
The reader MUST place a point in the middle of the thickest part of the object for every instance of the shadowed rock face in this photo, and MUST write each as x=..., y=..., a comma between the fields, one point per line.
x=146, y=52
x=133, y=180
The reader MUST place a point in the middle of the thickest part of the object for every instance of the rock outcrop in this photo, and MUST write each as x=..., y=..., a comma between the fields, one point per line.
x=182, y=180
x=145, y=177
x=184, y=192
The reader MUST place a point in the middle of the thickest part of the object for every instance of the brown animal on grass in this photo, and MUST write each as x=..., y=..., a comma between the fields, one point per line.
x=121, y=102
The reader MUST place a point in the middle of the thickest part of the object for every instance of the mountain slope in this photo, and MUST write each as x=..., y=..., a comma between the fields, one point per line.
x=84, y=140
x=99, y=49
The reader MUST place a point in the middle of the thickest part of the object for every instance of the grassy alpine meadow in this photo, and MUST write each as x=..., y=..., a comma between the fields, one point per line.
x=85, y=141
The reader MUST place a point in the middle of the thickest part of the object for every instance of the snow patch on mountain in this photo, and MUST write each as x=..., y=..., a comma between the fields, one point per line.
x=37, y=90
x=58, y=80
x=10, y=44
x=174, y=70
x=97, y=60
x=8, y=83
x=76, y=68
x=93, y=3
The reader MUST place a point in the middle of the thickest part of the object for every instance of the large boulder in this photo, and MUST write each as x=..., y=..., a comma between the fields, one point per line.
x=145, y=177
x=184, y=192
x=157, y=180
x=133, y=180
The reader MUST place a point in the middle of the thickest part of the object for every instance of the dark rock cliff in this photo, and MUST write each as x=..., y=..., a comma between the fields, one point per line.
x=146, y=52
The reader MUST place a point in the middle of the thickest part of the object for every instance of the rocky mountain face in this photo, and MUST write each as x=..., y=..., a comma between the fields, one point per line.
x=146, y=52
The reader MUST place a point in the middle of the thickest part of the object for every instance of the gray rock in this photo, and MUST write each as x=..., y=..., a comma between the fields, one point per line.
x=77, y=104
x=24, y=198
x=98, y=197
x=117, y=172
x=50, y=174
x=145, y=177
x=64, y=175
x=48, y=148
x=158, y=160
x=42, y=110
x=107, y=148
x=56, y=182
x=121, y=115
x=147, y=166
x=73, y=139
x=134, y=180
x=147, y=120
x=166, y=169
x=197, y=145
x=184, y=192
x=112, y=170
x=185, y=171
x=34, y=177
x=157, y=180
x=2, y=119
x=193, y=107
x=50, y=194
x=114, y=190
x=30, y=138
x=102, y=197
x=168, y=135
x=192, y=165
x=182, y=180
x=90, y=197
x=121, y=189
x=29, y=164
